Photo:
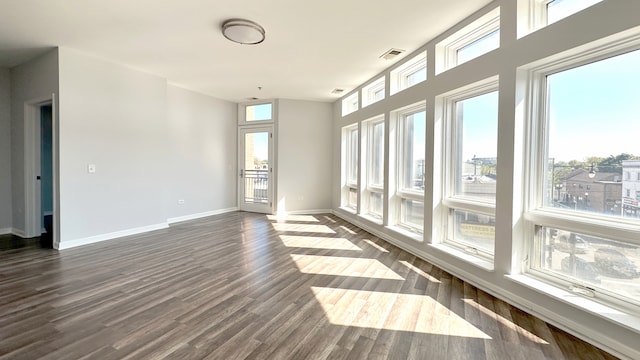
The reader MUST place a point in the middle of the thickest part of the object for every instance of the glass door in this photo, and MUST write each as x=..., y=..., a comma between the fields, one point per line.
x=256, y=171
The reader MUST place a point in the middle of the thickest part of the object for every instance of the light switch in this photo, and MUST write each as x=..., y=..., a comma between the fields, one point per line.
x=91, y=168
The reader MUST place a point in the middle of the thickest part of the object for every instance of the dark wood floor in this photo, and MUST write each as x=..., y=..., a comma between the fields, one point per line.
x=245, y=286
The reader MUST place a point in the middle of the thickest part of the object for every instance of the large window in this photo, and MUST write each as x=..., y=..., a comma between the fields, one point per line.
x=470, y=167
x=410, y=168
x=373, y=147
x=587, y=229
x=350, y=167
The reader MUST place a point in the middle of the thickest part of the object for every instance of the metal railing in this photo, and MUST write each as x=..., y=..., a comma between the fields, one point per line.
x=256, y=185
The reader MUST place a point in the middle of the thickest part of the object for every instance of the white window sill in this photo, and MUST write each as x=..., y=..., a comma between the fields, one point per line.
x=607, y=312
x=372, y=219
x=407, y=233
x=470, y=258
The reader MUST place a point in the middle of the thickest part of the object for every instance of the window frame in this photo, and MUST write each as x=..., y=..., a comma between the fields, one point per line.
x=532, y=15
x=350, y=104
x=535, y=215
x=450, y=202
x=348, y=149
x=447, y=49
x=400, y=74
x=242, y=112
x=369, y=92
x=368, y=189
x=400, y=192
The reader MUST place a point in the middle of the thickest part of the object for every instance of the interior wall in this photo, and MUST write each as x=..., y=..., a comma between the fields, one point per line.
x=5, y=152
x=304, y=164
x=202, y=154
x=34, y=80
x=112, y=117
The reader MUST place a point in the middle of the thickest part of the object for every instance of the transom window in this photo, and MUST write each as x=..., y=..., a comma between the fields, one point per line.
x=373, y=92
x=410, y=73
x=350, y=104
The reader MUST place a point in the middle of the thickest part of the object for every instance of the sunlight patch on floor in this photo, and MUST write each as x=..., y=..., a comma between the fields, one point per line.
x=305, y=218
x=508, y=323
x=419, y=271
x=378, y=247
x=344, y=266
x=318, y=242
x=393, y=311
x=322, y=229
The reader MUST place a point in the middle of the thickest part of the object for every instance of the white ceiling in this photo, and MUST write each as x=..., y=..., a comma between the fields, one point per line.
x=311, y=47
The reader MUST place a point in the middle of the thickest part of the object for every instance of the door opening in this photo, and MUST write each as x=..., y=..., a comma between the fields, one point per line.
x=256, y=171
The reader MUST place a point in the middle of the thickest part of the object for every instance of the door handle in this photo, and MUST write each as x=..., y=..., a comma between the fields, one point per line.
x=38, y=177
x=241, y=172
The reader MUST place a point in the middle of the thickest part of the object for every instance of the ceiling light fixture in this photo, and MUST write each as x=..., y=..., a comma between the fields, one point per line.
x=243, y=31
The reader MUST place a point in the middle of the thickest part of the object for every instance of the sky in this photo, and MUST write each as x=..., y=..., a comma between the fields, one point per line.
x=595, y=109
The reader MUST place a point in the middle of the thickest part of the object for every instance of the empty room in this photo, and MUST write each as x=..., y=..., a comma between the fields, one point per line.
x=320, y=180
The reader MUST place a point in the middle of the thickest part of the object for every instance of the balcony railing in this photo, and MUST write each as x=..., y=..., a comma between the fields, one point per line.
x=256, y=186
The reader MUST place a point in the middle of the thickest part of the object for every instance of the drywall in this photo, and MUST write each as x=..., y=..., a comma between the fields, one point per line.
x=201, y=159
x=33, y=80
x=5, y=152
x=612, y=18
x=304, y=164
x=112, y=117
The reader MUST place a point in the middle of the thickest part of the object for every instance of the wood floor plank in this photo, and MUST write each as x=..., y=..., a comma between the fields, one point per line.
x=247, y=286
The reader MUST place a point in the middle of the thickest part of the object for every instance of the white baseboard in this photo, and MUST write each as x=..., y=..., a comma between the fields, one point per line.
x=310, y=212
x=118, y=234
x=5, y=231
x=199, y=215
x=18, y=232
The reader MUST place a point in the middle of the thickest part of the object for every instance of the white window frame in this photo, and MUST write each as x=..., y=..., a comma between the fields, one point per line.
x=350, y=104
x=535, y=214
x=369, y=92
x=399, y=76
x=532, y=15
x=399, y=116
x=447, y=49
x=368, y=188
x=242, y=112
x=348, y=147
x=450, y=202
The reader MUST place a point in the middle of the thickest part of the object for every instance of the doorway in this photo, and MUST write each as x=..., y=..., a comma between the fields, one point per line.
x=40, y=181
x=255, y=149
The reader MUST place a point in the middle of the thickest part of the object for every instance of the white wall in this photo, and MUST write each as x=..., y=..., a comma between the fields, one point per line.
x=5, y=152
x=201, y=159
x=36, y=79
x=304, y=164
x=114, y=117
x=601, y=20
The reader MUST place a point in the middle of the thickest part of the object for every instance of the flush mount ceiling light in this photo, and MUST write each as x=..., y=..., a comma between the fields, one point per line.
x=243, y=31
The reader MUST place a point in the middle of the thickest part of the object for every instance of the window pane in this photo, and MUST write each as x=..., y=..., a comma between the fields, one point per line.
x=258, y=112
x=481, y=46
x=593, y=137
x=416, y=77
x=353, y=157
x=353, y=198
x=412, y=213
x=473, y=230
x=350, y=104
x=375, y=204
x=476, y=145
x=560, y=9
x=376, y=176
x=413, y=150
x=598, y=262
